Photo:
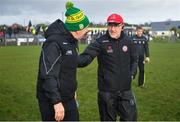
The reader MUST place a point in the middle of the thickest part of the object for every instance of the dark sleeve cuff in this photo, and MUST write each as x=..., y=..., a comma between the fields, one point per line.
x=56, y=102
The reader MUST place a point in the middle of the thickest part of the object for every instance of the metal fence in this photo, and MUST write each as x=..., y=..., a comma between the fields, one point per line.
x=21, y=39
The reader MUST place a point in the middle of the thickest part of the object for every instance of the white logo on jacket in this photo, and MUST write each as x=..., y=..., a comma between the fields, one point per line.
x=105, y=41
x=69, y=52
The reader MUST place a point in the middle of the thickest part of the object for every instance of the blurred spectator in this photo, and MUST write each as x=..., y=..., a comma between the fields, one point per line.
x=9, y=31
x=1, y=36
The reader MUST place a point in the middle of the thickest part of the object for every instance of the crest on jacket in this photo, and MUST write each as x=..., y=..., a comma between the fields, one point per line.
x=125, y=48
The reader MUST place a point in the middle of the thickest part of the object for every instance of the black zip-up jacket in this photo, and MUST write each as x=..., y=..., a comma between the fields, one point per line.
x=117, y=62
x=57, y=66
x=141, y=44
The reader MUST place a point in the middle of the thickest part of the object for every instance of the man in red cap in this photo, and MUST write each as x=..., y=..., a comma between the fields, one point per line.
x=117, y=62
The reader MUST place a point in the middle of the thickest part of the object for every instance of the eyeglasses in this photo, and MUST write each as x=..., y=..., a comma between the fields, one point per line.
x=115, y=24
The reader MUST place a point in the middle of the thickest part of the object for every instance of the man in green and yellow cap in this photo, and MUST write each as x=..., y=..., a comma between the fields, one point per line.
x=56, y=83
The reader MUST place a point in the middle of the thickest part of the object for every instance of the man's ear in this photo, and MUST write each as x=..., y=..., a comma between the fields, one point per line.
x=123, y=27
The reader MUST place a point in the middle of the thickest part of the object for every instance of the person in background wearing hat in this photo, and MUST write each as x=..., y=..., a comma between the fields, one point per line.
x=141, y=43
x=117, y=62
x=56, y=83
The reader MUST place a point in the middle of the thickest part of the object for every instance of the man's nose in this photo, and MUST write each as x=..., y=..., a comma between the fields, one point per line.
x=112, y=27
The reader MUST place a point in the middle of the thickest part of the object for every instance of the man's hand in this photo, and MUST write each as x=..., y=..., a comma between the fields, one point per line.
x=147, y=60
x=59, y=111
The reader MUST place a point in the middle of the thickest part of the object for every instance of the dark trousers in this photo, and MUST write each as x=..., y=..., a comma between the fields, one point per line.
x=118, y=103
x=47, y=111
x=141, y=70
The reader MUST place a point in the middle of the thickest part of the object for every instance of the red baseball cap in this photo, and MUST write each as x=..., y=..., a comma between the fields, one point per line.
x=115, y=18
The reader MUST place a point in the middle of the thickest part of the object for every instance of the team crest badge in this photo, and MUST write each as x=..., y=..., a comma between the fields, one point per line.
x=109, y=49
x=81, y=26
x=125, y=48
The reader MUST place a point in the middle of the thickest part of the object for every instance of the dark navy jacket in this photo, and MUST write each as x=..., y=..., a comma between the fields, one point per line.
x=141, y=44
x=117, y=62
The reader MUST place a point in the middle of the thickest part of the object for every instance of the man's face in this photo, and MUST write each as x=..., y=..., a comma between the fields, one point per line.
x=82, y=33
x=139, y=32
x=115, y=29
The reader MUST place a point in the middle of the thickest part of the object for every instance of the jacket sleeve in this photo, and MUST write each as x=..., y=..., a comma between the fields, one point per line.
x=133, y=58
x=146, y=48
x=89, y=54
x=50, y=67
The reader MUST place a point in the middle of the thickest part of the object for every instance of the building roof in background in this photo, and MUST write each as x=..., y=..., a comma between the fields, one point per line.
x=165, y=26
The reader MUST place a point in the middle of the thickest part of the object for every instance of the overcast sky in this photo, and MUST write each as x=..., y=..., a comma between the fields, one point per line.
x=133, y=11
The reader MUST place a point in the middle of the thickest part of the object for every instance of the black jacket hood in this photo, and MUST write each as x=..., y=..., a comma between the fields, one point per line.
x=59, y=28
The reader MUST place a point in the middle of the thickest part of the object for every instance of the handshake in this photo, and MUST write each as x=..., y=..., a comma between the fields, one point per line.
x=147, y=60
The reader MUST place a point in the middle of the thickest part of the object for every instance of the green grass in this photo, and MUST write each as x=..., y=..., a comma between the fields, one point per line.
x=158, y=100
